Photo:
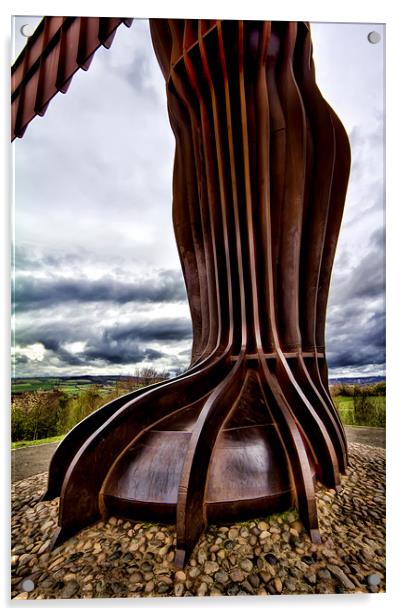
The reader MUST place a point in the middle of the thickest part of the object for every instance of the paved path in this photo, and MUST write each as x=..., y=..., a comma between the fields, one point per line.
x=367, y=436
x=29, y=461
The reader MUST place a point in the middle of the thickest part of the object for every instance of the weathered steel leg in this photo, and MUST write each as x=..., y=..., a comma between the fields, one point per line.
x=260, y=176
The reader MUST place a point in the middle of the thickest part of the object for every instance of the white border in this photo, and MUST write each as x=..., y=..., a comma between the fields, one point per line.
x=365, y=11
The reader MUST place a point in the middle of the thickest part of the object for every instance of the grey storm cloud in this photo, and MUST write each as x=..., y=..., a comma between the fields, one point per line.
x=116, y=344
x=358, y=298
x=36, y=292
x=20, y=359
x=52, y=333
x=367, y=279
x=128, y=352
x=25, y=260
x=351, y=347
x=100, y=354
x=160, y=329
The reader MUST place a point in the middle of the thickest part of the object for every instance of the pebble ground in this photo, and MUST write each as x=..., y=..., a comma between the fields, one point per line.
x=270, y=556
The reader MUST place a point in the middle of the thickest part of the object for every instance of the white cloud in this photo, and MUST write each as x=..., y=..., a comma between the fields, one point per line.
x=35, y=352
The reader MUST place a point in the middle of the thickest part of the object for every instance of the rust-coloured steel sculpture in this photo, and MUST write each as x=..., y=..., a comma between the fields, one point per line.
x=260, y=176
x=56, y=50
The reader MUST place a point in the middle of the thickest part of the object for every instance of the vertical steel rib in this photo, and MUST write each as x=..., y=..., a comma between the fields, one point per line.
x=298, y=464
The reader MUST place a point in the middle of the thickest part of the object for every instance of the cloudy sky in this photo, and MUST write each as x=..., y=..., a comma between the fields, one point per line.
x=98, y=285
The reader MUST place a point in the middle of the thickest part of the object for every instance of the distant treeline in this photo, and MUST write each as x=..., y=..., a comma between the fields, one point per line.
x=344, y=389
x=52, y=412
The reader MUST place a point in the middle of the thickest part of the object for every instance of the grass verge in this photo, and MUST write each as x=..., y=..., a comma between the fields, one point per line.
x=41, y=441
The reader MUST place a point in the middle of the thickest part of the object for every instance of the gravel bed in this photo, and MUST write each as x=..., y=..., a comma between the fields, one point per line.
x=270, y=556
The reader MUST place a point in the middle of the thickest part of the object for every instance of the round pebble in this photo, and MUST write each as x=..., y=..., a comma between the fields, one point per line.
x=270, y=558
x=162, y=588
x=70, y=589
x=194, y=572
x=278, y=585
x=237, y=575
x=211, y=567
x=221, y=577
x=373, y=579
x=246, y=565
x=233, y=589
x=233, y=533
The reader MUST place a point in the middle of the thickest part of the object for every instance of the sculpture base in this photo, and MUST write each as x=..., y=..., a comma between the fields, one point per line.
x=247, y=474
x=220, y=443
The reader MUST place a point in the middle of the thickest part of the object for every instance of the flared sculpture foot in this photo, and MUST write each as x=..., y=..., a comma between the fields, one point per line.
x=260, y=175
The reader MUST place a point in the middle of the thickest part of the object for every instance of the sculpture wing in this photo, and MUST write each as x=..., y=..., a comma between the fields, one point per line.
x=56, y=50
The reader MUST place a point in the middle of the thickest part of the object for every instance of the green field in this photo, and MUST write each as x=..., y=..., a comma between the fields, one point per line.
x=71, y=386
x=352, y=412
x=22, y=386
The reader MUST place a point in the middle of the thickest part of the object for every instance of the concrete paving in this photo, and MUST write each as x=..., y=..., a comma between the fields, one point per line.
x=28, y=461
x=366, y=436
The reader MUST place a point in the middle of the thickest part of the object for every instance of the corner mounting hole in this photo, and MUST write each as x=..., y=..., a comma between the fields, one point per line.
x=27, y=585
x=374, y=37
x=27, y=30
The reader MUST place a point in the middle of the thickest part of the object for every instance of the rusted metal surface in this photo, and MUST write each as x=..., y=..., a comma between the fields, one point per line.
x=46, y=65
x=260, y=176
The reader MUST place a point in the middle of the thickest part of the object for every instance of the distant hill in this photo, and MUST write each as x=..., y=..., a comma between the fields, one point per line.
x=73, y=384
x=356, y=380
